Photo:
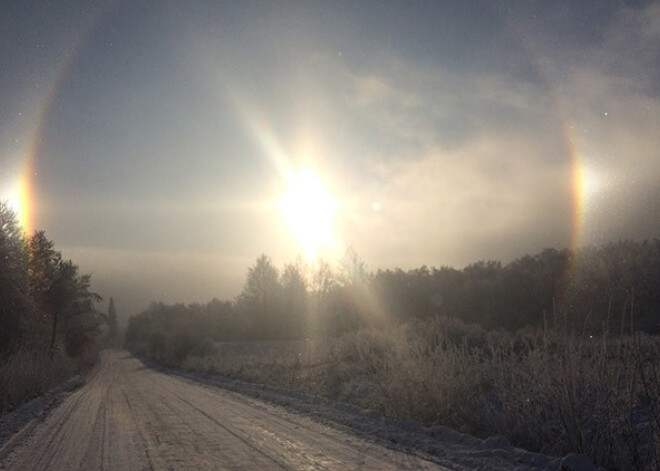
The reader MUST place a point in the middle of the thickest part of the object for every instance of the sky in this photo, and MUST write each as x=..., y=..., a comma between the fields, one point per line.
x=163, y=145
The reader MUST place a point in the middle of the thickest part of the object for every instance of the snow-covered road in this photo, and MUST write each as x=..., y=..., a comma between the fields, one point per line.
x=129, y=416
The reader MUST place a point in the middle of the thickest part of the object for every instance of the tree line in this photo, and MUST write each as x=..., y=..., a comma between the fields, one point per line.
x=614, y=287
x=45, y=302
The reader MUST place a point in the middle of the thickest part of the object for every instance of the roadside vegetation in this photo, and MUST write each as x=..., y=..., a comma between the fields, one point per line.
x=545, y=391
x=556, y=351
x=49, y=327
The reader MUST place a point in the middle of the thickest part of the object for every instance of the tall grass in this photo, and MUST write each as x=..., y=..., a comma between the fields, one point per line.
x=545, y=390
x=29, y=373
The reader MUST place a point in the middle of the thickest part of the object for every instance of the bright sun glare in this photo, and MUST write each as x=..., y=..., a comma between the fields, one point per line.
x=16, y=202
x=309, y=210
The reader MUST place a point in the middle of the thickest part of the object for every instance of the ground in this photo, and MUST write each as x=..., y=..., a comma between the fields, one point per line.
x=131, y=416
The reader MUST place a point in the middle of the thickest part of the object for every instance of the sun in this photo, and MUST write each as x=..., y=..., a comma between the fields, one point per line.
x=19, y=202
x=309, y=210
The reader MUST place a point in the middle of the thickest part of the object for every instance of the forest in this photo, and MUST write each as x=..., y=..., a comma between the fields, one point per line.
x=49, y=324
x=613, y=288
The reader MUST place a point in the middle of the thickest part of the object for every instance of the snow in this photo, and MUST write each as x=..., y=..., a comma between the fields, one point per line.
x=438, y=444
x=19, y=421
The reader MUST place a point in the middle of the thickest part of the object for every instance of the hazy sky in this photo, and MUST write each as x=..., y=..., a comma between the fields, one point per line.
x=154, y=140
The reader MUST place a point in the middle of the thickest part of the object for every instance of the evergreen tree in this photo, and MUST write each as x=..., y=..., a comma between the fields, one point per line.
x=62, y=294
x=260, y=300
x=295, y=300
x=112, y=321
x=17, y=312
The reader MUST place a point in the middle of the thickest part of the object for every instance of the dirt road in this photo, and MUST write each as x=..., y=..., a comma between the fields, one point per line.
x=129, y=416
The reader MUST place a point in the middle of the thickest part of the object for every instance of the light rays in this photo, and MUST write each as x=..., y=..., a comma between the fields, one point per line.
x=305, y=203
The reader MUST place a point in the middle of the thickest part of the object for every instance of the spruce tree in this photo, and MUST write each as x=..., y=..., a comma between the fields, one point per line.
x=112, y=321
